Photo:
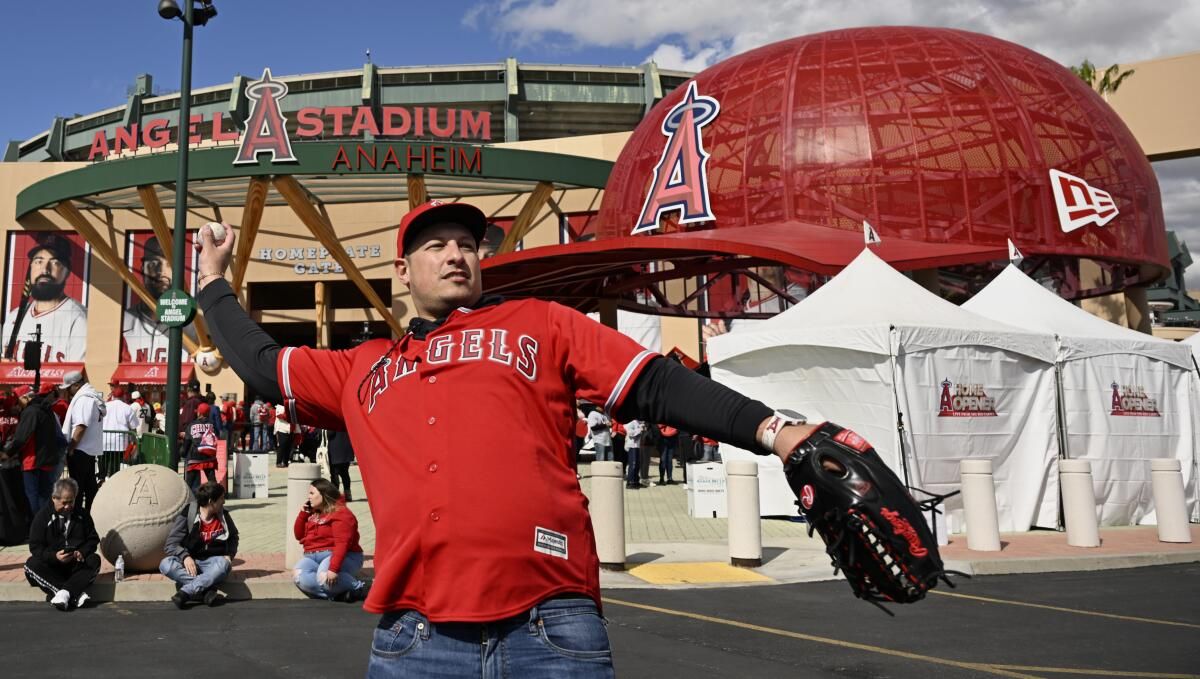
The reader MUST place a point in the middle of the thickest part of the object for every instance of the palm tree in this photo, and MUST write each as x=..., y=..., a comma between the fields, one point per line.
x=1109, y=81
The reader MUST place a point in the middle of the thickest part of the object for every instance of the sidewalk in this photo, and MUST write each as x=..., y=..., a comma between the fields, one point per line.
x=666, y=548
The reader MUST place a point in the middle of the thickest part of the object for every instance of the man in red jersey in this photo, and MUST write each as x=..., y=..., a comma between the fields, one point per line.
x=485, y=557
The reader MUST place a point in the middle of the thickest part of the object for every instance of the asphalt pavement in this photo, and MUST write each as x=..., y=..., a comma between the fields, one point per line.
x=1141, y=622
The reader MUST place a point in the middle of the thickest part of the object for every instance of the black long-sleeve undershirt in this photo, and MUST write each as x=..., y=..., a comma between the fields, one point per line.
x=665, y=392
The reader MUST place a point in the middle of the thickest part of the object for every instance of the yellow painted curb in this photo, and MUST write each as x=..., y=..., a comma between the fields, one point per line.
x=700, y=573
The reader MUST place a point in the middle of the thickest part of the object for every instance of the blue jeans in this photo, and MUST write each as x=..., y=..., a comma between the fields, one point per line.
x=666, y=454
x=310, y=571
x=259, y=439
x=557, y=638
x=632, y=467
x=604, y=452
x=38, y=485
x=210, y=572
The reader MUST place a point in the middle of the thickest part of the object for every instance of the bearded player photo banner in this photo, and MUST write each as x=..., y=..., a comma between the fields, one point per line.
x=46, y=279
x=143, y=338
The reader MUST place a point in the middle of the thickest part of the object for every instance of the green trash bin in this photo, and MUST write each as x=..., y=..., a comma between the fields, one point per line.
x=152, y=449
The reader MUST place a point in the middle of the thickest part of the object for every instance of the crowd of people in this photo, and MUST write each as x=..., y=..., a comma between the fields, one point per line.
x=636, y=443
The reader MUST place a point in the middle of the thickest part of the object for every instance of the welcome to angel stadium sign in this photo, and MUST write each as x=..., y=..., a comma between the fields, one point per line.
x=265, y=132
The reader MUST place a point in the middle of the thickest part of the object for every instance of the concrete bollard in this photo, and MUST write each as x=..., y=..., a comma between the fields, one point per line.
x=979, y=505
x=300, y=477
x=1079, y=503
x=607, y=507
x=745, y=524
x=1169, y=504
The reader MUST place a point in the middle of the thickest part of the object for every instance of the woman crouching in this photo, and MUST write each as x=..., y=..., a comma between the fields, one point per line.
x=328, y=530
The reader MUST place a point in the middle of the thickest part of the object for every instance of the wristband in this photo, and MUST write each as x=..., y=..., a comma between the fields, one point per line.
x=204, y=276
x=778, y=421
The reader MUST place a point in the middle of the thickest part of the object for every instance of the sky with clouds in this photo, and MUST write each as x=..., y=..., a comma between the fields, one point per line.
x=66, y=62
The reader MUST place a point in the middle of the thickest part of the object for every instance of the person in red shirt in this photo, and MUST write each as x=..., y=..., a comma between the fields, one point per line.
x=200, y=448
x=332, y=556
x=478, y=548
x=35, y=440
x=669, y=436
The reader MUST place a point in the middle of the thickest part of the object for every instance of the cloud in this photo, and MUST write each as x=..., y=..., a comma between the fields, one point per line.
x=706, y=31
x=675, y=58
x=1179, y=184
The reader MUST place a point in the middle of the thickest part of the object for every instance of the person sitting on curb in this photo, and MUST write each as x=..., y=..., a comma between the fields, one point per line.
x=200, y=548
x=62, y=544
x=332, y=556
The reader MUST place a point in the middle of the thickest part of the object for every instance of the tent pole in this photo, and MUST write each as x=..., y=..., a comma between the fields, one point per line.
x=896, y=404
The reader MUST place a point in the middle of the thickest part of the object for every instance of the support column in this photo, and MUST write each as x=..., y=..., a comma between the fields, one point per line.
x=608, y=313
x=1137, y=309
x=512, y=129
x=322, y=317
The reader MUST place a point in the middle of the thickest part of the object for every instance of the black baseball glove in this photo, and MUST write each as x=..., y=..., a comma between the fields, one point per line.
x=874, y=531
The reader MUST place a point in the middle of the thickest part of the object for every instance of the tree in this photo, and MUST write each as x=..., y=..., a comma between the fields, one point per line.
x=1105, y=83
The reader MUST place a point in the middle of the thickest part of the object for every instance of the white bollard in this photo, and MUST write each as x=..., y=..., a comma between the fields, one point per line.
x=1169, y=504
x=745, y=524
x=300, y=477
x=607, y=506
x=1079, y=503
x=979, y=505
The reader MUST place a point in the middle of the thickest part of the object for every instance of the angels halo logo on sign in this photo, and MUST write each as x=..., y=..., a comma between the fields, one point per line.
x=680, y=179
x=1132, y=401
x=1079, y=203
x=965, y=400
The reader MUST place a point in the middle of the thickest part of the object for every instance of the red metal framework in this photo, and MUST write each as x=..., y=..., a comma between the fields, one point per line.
x=935, y=136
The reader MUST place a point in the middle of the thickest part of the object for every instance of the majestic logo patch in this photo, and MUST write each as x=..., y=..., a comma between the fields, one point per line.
x=681, y=179
x=549, y=542
x=965, y=400
x=1080, y=204
x=807, y=496
x=1132, y=401
x=905, y=530
x=266, y=128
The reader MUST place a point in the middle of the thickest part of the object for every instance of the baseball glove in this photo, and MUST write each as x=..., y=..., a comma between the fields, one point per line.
x=873, y=530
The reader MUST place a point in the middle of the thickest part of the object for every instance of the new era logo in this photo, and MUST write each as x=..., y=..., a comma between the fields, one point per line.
x=1080, y=204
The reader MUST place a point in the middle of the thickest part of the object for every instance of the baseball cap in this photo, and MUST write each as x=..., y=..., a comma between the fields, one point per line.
x=47, y=388
x=202, y=410
x=57, y=245
x=436, y=212
x=22, y=390
x=71, y=379
x=135, y=395
x=117, y=392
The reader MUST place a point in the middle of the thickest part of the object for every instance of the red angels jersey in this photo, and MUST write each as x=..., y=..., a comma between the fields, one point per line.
x=463, y=440
x=143, y=340
x=64, y=331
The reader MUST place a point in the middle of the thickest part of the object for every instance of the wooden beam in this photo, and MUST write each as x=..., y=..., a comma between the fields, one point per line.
x=524, y=221
x=322, y=317
x=297, y=199
x=417, y=194
x=256, y=199
x=158, y=220
x=67, y=210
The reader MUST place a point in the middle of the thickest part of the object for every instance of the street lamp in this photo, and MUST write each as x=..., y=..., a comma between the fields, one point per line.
x=193, y=13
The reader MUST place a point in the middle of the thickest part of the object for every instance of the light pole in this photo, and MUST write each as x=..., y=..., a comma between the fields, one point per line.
x=170, y=10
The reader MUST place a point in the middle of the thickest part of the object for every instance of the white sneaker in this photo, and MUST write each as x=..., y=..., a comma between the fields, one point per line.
x=61, y=600
x=82, y=600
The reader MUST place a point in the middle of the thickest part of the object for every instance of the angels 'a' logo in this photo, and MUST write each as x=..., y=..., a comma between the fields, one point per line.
x=1133, y=401
x=266, y=128
x=807, y=496
x=680, y=179
x=1079, y=203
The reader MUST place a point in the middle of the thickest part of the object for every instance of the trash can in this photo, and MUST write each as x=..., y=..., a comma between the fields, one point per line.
x=153, y=450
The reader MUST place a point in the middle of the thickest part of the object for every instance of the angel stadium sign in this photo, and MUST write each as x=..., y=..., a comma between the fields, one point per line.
x=265, y=130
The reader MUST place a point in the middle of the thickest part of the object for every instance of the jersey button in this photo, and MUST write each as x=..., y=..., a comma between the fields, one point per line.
x=432, y=467
x=434, y=516
x=432, y=420
x=433, y=380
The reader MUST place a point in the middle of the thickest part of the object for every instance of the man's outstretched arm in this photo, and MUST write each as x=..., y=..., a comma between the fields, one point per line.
x=251, y=352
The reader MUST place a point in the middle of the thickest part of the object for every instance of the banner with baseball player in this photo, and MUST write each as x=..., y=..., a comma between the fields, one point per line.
x=46, y=283
x=143, y=338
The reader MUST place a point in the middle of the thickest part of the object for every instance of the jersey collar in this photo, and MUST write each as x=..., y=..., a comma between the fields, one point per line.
x=421, y=327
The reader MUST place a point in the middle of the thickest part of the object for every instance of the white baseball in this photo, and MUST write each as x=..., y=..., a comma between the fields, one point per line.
x=218, y=232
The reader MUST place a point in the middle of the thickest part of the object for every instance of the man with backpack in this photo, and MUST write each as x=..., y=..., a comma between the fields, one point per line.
x=258, y=439
x=200, y=448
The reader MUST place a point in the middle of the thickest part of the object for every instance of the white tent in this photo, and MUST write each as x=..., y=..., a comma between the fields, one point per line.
x=1126, y=396
x=927, y=383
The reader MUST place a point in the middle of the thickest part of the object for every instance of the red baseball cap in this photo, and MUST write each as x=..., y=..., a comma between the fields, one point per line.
x=117, y=392
x=202, y=410
x=22, y=390
x=437, y=212
x=47, y=387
